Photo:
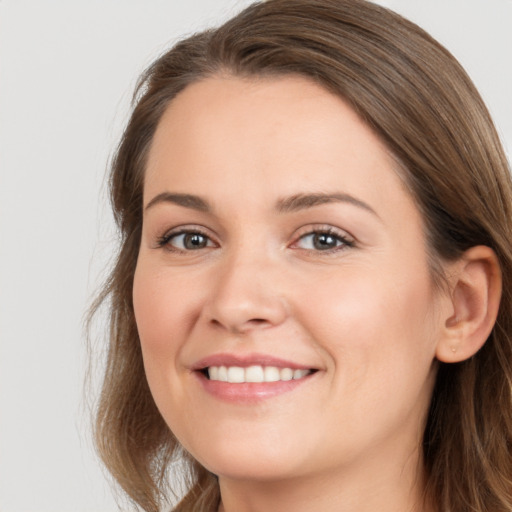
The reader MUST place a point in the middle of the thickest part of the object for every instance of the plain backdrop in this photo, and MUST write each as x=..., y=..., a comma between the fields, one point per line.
x=67, y=70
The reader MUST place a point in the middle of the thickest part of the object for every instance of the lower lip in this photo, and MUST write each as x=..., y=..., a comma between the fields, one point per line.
x=249, y=392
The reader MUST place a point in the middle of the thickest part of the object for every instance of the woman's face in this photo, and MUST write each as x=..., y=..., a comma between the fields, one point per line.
x=279, y=243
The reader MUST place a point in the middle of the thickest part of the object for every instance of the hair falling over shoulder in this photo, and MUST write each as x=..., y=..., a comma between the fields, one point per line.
x=420, y=102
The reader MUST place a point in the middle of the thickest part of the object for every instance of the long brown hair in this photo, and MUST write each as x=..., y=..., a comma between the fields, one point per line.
x=420, y=102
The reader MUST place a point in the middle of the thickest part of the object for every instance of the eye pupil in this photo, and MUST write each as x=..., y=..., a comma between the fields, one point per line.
x=194, y=241
x=324, y=241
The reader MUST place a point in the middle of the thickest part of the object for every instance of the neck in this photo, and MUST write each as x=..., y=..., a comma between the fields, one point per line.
x=390, y=487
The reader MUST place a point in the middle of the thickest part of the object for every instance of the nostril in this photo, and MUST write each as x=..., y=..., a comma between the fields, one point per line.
x=242, y=326
x=256, y=322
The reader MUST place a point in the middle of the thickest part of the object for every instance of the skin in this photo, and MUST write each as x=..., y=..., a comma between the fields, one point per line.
x=365, y=314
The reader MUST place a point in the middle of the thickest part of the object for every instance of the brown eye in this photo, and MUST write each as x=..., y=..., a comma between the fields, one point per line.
x=194, y=241
x=186, y=241
x=322, y=241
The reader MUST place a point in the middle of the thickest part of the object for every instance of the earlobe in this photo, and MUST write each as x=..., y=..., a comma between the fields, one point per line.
x=475, y=293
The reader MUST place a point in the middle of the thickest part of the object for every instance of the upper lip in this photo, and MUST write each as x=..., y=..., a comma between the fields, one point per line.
x=245, y=360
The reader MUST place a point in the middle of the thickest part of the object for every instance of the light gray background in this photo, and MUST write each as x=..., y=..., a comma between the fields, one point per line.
x=67, y=69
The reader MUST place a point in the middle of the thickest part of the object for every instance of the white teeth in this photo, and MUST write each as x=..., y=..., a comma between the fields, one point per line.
x=213, y=372
x=256, y=373
x=236, y=374
x=298, y=374
x=223, y=374
x=272, y=374
x=286, y=374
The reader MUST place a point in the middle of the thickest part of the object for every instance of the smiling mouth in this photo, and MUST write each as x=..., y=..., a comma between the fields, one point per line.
x=255, y=373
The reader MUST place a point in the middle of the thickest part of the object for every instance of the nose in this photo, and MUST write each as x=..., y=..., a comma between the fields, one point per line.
x=248, y=295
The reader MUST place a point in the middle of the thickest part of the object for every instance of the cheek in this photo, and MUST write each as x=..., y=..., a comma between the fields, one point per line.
x=165, y=314
x=373, y=323
x=380, y=339
x=164, y=308
x=164, y=317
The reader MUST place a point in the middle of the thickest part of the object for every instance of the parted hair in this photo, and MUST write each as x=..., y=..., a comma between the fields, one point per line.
x=419, y=101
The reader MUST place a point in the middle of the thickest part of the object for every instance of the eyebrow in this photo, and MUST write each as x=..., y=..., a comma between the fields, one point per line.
x=289, y=204
x=302, y=201
x=186, y=200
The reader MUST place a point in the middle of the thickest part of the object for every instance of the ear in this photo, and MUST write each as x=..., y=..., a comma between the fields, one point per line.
x=475, y=293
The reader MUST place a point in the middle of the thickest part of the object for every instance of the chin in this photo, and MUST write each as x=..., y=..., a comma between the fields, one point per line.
x=251, y=461
x=242, y=468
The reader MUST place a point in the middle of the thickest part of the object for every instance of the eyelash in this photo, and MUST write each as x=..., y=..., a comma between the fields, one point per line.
x=343, y=241
x=165, y=240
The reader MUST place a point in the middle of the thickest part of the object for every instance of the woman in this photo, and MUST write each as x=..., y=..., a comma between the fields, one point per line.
x=311, y=302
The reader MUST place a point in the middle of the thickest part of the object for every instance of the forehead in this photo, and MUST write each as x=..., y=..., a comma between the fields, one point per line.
x=261, y=136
